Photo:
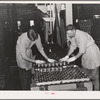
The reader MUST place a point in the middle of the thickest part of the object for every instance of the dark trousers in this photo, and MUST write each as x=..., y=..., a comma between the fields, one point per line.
x=25, y=78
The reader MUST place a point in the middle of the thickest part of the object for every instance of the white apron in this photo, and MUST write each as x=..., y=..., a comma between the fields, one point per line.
x=91, y=58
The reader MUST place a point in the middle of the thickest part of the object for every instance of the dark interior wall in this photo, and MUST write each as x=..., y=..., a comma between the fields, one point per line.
x=25, y=13
x=4, y=66
x=85, y=11
x=3, y=18
x=28, y=12
x=10, y=14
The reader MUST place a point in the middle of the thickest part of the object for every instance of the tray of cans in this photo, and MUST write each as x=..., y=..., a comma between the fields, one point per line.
x=65, y=74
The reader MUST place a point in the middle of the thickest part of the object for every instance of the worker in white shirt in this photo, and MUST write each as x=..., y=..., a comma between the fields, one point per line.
x=24, y=55
x=88, y=51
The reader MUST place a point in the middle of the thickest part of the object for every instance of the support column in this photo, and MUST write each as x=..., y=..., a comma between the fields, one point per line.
x=69, y=14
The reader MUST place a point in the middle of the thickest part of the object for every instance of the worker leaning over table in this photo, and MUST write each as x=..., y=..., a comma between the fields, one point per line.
x=24, y=55
x=87, y=49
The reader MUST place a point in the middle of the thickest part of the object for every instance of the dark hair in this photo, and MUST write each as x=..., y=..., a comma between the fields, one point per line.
x=32, y=32
x=70, y=27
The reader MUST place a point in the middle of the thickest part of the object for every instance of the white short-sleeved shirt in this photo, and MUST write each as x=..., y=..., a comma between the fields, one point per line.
x=23, y=47
x=86, y=45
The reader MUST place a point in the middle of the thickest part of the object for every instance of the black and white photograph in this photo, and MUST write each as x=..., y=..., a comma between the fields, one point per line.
x=50, y=46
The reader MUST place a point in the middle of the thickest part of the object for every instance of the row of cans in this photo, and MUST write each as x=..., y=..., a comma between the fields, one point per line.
x=55, y=64
x=48, y=69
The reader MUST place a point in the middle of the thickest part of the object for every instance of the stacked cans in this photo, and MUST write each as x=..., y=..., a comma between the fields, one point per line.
x=47, y=67
x=69, y=74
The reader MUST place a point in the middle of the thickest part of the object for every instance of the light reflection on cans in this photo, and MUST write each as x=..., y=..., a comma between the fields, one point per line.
x=60, y=63
x=53, y=64
x=64, y=63
x=56, y=64
x=42, y=65
x=48, y=69
x=49, y=64
x=53, y=69
x=56, y=69
x=45, y=65
x=44, y=69
x=38, y=65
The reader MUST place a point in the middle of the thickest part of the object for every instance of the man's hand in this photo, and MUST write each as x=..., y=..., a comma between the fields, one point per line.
x=71, y=59
x=64, y=58
x=51, y=60
x=39, y=61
